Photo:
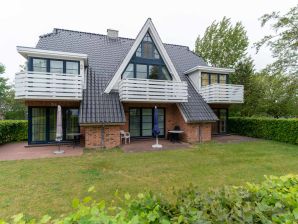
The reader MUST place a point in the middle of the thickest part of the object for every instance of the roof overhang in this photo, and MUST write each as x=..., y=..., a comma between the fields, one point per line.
x=210, y=69
x=148, y=27
x=34, y=52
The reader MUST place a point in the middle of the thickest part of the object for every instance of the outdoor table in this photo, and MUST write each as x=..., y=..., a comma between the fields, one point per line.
x=76, y=138
x=175, y=133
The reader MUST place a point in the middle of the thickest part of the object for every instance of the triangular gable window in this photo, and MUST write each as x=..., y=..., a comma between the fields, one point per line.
x=147, y=63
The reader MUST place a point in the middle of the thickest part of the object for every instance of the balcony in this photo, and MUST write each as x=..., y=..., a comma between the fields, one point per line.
x=222, y=93
x=48, y=86
x=148, y=90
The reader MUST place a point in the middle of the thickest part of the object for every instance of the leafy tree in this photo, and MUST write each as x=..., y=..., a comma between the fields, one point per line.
x=9, y=107
x=283, y=43
x=280, y=94
x=223, y=44
x=253, y=91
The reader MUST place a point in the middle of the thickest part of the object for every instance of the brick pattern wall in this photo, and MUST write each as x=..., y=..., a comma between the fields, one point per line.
x=93, y=136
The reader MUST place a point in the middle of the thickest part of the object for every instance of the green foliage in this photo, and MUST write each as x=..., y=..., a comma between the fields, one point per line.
x=283, y=43
x=9, y=107
x=223, y=44
x=272, y=201
x=13, y=130
x=283, y=130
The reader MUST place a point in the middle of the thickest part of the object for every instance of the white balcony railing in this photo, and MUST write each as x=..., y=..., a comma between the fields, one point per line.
x=222, y=93
x=148, y=90
x=48, y=86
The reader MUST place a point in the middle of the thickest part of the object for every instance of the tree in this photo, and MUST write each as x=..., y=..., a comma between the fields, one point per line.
x=284, y=42
x=253, y=91
x=9, y=107
x=280, y=97
x=223, y=44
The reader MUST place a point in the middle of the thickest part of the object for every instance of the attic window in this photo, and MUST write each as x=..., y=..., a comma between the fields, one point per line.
x=147, y=49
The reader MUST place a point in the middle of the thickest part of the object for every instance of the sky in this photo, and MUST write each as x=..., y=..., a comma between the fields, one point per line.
x=177, y=21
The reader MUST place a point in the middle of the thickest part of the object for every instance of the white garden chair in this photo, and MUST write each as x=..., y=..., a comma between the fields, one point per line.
x=124, y=136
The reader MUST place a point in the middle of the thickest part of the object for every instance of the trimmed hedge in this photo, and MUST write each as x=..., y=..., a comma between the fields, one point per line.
x=272, y=201
x=283, y=130
x=13, y=131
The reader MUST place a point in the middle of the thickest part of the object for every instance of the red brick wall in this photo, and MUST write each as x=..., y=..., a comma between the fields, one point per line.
x=93, y=136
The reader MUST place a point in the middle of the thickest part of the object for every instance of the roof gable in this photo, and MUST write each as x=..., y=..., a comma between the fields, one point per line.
x=147, y=28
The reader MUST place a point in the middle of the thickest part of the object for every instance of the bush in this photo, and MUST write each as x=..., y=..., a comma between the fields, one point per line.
x=283, y=130
x=13, y=130
x=273, y=201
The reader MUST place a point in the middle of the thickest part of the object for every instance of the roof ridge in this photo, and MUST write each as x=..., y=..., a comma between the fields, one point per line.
x=55, y=31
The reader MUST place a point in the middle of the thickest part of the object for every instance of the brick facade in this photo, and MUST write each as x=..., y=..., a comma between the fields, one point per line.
x=93, y=136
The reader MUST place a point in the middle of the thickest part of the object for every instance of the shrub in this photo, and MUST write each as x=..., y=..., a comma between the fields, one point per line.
x=272, y=201
x=13, y=130
x=283, y=130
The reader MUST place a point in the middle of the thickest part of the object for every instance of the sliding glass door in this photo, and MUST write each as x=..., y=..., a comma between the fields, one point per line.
x=141, y=121
x=43, y=120
x=220, y=127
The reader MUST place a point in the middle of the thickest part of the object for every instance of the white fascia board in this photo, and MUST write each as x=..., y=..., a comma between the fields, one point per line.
x=30, y=51
x=210, y=69
x=147, y=27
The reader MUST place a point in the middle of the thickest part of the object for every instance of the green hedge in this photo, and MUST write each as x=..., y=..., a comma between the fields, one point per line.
x=273, y=201
x=283, y=130
x=13, y=131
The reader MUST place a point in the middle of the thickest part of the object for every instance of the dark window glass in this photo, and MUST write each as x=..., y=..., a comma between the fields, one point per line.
x=165, y=75
x=72, y=67
x=223, y=79
x=129, y=72
x=72, y=123
x=39, y=65
x=156, y=54
x=53, y=123
x=135, y=122
x=153, y=72
x=56, y=66
x=139, y=51
x=213, y=78
x=38, y=124
x=205, y=79
x=141, y=71
x=222, y=120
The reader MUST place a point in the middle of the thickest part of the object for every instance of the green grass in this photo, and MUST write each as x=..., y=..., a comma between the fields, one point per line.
x=36, y=187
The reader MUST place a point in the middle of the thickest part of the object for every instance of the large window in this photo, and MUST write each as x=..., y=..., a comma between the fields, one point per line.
x=147, y=63
x=39, y=65
x=211, y=78
x=54, y=66
x=42, y=124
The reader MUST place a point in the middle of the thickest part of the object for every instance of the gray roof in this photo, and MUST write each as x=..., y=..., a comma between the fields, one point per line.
x=104, y=57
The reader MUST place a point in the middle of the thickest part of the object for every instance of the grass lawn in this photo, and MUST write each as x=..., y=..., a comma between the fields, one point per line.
x=36, y=187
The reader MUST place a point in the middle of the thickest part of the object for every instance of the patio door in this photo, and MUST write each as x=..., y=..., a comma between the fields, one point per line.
x=42, y=124
x=141, y=121
x=220, y=126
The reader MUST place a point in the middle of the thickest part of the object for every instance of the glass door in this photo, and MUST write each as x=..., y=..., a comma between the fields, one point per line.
x=147, y=122
x=141, y=122
x=220, y=126
x=71, y=123
x=38, y=125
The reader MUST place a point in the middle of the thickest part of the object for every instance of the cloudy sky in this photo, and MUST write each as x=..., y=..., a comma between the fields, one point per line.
x=177, y=21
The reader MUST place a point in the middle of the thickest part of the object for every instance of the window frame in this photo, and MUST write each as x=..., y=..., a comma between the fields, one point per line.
x=48, y=64
x=209, y=78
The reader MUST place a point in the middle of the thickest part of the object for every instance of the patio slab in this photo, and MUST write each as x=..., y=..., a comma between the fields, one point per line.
x=142, y=145
x=19, y=151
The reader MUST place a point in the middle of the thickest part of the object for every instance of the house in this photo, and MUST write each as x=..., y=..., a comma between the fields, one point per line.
x=107, y=83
